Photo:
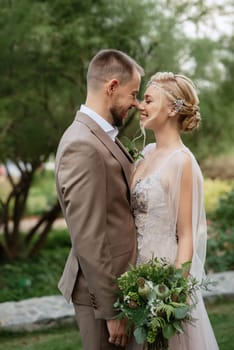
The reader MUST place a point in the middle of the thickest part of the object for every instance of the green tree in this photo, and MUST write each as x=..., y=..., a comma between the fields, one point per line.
x=207, y=59
x=45, y=50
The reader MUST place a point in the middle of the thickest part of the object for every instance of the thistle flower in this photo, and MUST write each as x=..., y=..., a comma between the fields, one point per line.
x=156, y=298
x=162, y=291
x=145, y=287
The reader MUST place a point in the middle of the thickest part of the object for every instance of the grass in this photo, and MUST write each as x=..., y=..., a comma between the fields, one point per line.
x=64, y=338
x=222, y=317
x=67, y=337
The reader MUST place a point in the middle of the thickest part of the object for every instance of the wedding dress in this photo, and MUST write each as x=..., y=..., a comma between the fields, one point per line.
x=155, y=200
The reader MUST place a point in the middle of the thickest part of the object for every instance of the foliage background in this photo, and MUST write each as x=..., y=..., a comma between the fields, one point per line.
x=45, y=50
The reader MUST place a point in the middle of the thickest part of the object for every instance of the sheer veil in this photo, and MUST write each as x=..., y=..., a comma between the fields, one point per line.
x=157, y=199
x=171, y=174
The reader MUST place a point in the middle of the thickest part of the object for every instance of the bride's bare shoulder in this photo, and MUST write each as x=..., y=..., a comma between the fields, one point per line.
x=148, y=148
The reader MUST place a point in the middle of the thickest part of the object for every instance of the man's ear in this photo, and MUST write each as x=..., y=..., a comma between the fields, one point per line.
x=111, y=86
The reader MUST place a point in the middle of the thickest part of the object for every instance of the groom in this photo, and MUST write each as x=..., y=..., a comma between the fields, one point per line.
x=93, y=173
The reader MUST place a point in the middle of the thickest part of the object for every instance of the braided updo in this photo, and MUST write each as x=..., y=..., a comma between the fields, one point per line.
x=180, y=89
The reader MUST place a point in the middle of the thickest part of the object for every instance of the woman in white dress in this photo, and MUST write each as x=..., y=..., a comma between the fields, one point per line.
x=167, y=193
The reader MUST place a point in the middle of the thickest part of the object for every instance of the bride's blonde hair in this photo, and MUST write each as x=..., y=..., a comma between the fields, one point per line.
x=181, y=91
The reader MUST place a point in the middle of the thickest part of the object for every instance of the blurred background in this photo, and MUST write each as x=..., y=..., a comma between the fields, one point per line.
x=45, y=48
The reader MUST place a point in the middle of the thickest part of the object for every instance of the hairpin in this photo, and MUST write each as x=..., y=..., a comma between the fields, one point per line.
x=178, y=103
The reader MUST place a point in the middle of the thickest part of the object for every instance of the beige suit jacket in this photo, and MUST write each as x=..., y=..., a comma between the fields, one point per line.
x=93, y=184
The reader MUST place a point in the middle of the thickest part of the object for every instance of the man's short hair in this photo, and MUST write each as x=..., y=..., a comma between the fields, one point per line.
x=110, y=64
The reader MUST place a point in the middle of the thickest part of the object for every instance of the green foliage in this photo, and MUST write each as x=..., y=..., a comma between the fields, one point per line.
x=47, y=53
x=160, y=299
x=33, y=278
x=224, y=214
x=140, y=335
x=45, y=49
x=132, y=148
x=209, y=62
x=220, y=249
x=220, y=246
x=42, y=194
x=213, y=190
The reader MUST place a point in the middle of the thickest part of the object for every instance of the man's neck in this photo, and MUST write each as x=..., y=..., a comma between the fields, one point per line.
x=100, y=107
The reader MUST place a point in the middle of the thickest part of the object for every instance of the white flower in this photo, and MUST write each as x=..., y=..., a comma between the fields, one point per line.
x=127, y=299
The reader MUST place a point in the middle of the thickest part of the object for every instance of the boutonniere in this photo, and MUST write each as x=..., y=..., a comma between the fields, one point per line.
x=130, y=145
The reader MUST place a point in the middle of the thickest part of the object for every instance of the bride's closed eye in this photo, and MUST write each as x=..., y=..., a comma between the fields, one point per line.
x=148, y=101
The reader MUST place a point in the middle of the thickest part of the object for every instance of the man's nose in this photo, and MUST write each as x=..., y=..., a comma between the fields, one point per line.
x=136, y=104
x=140, y=106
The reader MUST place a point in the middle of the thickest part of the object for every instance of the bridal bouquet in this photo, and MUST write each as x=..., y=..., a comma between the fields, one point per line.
x=157, y=299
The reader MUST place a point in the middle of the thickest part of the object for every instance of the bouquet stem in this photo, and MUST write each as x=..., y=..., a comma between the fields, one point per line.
x=159, y=344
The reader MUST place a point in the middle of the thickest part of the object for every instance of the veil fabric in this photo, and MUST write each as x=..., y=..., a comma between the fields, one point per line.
x=156, y=199
x=170, y=175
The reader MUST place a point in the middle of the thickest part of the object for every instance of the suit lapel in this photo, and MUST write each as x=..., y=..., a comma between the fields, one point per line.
x=128, y=155
x=117, y=149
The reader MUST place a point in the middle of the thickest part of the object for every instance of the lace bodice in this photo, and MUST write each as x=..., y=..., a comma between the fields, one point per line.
x=155, y=225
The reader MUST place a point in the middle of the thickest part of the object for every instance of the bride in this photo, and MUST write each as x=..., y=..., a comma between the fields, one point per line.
x=167, y=194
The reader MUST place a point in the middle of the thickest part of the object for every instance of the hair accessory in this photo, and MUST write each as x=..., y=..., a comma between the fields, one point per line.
x=152, y=82
x=178, y=103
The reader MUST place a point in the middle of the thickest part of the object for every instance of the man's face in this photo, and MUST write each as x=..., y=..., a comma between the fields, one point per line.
x=124, y=98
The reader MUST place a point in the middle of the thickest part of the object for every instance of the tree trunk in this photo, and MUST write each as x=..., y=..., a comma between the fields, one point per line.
x=47, y=220
x=13, y=210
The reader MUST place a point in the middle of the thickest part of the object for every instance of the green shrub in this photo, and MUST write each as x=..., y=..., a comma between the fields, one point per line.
x=220, y=249
x=224, y=214
x=220, y=245
x=213, y=190
x=37, y=276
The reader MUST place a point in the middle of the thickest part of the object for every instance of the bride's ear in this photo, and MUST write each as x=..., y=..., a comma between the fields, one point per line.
x=172, y=112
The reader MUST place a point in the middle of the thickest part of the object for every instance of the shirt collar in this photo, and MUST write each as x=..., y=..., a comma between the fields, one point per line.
x=107, y=127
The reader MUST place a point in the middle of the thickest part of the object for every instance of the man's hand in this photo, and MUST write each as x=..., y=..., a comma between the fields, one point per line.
x=117, y=332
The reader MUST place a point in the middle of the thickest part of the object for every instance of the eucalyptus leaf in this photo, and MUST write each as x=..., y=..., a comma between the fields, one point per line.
x=181, y=312
x=140, y=335
x=168, y=331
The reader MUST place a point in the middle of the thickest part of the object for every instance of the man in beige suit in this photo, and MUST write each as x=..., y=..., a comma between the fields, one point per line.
x=93, y=172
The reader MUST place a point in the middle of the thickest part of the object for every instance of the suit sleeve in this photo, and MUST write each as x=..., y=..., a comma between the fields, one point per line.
x=82, y=177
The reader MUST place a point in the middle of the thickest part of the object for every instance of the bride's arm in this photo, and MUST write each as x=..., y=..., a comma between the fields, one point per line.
x=184, y=218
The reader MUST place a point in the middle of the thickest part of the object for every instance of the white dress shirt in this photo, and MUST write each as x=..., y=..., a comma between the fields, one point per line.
x=107, y=127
